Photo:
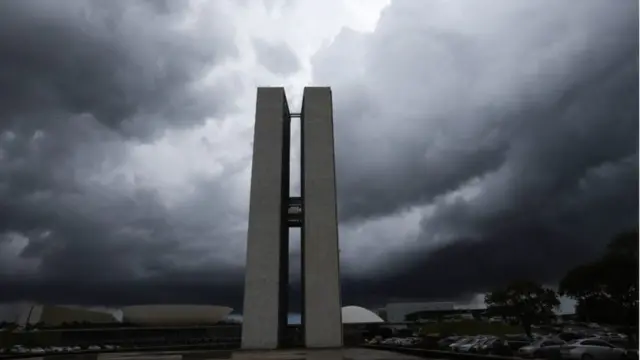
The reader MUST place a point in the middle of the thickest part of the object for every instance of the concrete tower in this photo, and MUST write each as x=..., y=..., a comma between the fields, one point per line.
x=273, y=211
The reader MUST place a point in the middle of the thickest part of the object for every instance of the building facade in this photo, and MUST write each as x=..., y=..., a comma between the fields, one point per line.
x=273, y=211
x=57, y=315
x=397, y=312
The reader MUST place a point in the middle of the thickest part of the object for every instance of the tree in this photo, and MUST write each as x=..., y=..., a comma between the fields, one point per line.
x=595, y=309
x=624, y=245
x=527, y=301
x=606, y=289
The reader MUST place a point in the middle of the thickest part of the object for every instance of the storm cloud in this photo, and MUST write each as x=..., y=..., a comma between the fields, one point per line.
x=82, y=84
x=503, y=137
x=475, y=143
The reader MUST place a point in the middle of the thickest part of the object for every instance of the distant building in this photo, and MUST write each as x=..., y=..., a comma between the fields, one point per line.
x=397, y=312
x=56, y=315
x=359, y=315
x=413, y=311
x=150, y=325
x=144, y=315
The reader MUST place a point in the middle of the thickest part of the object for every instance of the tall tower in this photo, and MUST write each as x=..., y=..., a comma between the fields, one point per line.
x=272, y=211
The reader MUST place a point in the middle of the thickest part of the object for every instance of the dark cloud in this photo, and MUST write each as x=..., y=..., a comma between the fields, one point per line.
x=438, y=108
x=541, y=245
x=81, y=84
x=119, y=61
x=505, y=133
x=517, y=138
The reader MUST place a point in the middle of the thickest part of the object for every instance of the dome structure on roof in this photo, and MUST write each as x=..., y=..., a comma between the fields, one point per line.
x=174, y=315
x=359, y=315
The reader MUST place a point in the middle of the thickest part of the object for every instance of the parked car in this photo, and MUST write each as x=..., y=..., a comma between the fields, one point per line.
x=389, y=341
x=410, y=341
x=495, y=346
x=456, y=345
x=592, y=349
x=569, y=336
x=18, y=349
x=37, y=350
x=515, y=345
x=546, y=348
x=469, y=346
x=444, y=344
x=479, y=344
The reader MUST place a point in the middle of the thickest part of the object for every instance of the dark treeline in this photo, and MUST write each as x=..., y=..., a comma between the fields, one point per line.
x=606, y=291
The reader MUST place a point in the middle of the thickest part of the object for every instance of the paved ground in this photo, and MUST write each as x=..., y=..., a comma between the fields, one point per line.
x=340, y=354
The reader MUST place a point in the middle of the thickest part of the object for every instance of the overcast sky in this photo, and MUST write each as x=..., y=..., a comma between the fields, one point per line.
x=477, y=142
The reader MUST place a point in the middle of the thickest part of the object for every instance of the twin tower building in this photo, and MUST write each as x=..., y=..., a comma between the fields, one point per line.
x=273, y=211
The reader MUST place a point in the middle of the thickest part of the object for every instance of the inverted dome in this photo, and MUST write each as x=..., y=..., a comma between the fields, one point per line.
x=174, y=314
x=359, y=315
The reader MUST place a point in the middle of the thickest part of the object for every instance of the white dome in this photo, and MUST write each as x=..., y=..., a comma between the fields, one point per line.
x=174, y=314
x=359, y=315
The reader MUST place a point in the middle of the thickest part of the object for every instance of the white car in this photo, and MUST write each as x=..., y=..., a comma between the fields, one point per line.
x=465, y=348
x=18, y=349
x=37, y=350
x=461, y=342
x=409, y=341
x=389, y=341
x=592, y=349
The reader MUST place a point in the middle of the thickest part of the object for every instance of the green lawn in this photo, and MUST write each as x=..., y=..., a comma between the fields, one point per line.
x=470, y=327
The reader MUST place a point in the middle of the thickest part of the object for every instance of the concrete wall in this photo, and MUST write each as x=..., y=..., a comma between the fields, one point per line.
x=322, y=301
x=262, y=314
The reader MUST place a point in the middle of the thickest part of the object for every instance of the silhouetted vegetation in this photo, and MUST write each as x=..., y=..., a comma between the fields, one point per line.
x=526, y=301
x=606, y=290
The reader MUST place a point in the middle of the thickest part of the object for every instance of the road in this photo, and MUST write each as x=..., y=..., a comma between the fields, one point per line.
x=297, y=354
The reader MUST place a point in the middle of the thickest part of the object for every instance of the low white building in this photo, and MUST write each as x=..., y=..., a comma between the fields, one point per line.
x=396, y=312
x=152, y=315
x=56, y=315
